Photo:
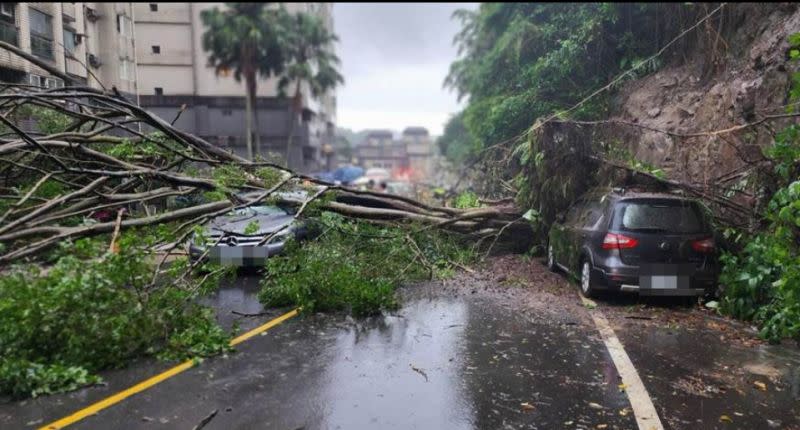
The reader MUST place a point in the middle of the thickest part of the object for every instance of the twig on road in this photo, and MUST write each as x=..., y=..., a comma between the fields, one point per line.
x=420, y=371
x=206, y=420
x=242, y=314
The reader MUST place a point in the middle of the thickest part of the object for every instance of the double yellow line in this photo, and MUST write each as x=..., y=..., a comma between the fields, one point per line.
x=122, y=395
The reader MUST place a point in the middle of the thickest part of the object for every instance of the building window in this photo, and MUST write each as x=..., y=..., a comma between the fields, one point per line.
x=8, y=28
x=41, y=34
x=7, y=11
x=156, y=49
x=45, y=82
x=124, y=26
x=159, y=91
x=153, y=7
x=308, y=153
x=125, y=69
x=69, y=40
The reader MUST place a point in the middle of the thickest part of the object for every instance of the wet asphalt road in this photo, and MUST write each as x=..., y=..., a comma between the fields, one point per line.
x=450, y=358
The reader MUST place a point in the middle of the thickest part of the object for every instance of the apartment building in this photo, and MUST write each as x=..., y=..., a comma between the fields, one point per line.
x=152, y=53
x=411, y=156
x=173, y=72
x=419, y=148
x=93, y=42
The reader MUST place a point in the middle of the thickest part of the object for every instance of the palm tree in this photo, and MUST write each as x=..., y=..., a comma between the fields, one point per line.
x=245, y=38
x=309, y=53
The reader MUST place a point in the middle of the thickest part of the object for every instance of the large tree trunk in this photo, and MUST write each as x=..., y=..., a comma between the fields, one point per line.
x=296, y=106
x=252, y=93
x=248, y=103
x=93, y=178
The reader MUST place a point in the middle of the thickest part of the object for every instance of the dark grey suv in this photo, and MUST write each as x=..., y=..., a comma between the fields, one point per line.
x=645, y=242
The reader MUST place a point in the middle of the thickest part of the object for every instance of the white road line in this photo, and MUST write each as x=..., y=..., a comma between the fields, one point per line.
x=643, y=409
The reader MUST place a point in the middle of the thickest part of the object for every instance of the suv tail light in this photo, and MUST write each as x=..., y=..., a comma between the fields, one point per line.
x=619, y=241
x=704, y=245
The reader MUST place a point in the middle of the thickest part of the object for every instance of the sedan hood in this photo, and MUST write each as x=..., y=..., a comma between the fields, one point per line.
x=238, y=224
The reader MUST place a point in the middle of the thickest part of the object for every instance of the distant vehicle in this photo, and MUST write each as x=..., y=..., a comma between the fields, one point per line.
x=400, y=188
x=343, y=175
x=650, y=243
x=377, y=174
x=347, y=174
x=227, y=239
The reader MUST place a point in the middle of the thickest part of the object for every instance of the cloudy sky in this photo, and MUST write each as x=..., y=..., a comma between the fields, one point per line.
x=395, y=57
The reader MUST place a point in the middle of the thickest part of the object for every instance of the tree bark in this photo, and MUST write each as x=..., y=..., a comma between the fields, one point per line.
x=247, y=70
x=295, y=107
x=253, y=93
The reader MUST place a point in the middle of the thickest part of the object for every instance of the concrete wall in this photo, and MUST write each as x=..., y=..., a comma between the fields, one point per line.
x=216, y=101
x=174, y=40
x=104, y=41
x=220, y=120
x=164, y=13
x=208, y=83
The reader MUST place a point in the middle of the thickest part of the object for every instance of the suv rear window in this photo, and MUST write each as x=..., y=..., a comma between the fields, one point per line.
x=658, y=216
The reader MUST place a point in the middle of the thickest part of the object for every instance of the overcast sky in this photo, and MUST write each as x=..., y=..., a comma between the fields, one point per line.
x=395, y=57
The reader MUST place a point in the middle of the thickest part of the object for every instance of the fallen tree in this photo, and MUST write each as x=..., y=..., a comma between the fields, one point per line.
x=97, y=193
x=91, y=149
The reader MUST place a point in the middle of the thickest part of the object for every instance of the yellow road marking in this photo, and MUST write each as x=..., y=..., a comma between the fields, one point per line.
x=122, y=395
x=265, y=327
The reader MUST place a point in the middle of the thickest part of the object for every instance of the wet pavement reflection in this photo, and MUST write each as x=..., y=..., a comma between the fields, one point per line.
x=450, y=358
x=696, y=379
x=455, y=362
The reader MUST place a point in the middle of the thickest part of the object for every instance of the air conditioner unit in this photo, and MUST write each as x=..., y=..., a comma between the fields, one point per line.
x=92, y=14
x=94, y=61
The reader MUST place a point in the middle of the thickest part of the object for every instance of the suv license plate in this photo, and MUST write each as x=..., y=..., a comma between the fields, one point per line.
x=659, y=282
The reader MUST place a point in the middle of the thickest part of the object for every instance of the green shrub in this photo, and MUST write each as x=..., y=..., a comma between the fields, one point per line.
x=466, y=200
x=762, y=283
x=89, y=312
x=356, y=266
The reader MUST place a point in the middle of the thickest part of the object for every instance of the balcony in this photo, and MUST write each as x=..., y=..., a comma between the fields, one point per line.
x=9, y=33
x=42, y=47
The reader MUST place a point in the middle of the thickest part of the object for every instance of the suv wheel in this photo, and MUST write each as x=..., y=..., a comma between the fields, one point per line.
x=586, y=280
x=551, y=259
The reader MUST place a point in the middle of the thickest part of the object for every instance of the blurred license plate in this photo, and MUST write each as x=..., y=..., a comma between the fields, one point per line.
x=665, y=276
x=659, y=282
x=238, y=255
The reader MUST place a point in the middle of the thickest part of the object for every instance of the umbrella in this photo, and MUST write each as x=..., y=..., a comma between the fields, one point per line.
x=348, y=174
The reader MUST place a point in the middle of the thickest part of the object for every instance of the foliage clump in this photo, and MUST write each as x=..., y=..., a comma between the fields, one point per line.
x=762, y=282
x=93, y=310
x=466, y=200
x=356, y=266
x=520, y=62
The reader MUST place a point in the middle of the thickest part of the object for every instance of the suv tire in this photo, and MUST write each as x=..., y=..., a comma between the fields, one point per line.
x=586, y=288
